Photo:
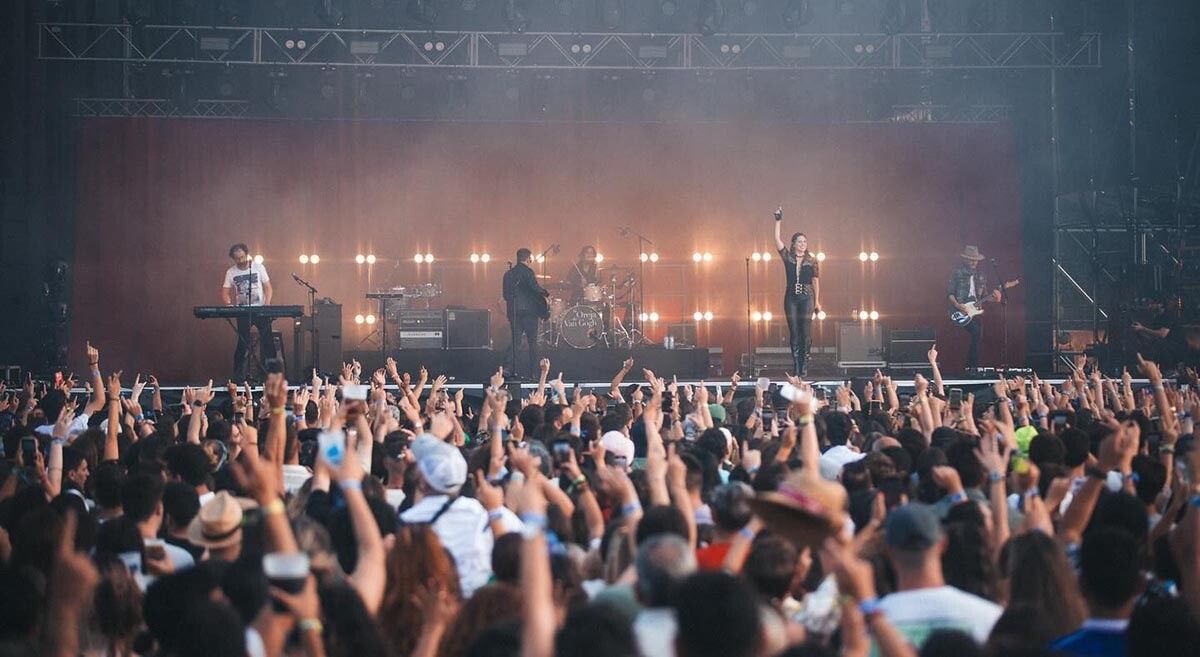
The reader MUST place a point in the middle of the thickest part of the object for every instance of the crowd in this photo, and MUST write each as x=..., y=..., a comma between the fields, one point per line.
x=381, y=516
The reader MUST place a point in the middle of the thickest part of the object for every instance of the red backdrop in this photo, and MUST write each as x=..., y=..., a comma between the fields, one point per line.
x=162, y=200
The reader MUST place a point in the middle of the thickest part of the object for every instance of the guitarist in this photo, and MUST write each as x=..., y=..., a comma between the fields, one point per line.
x=967, y=285
x=526, y=301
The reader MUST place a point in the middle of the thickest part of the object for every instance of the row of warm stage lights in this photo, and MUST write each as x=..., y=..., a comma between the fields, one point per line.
x=475, y=258
x=706, y=316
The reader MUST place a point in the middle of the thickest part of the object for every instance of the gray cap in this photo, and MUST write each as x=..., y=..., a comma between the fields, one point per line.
x=913, y=527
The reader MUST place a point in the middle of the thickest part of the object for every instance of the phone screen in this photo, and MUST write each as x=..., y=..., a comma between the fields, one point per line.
x=29, y=450
x=956, y=396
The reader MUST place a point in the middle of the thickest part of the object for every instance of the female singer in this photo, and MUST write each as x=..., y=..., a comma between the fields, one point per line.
x=803, y=296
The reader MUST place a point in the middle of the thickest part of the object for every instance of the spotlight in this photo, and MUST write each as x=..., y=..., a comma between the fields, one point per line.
x=756, y=256
x=874, y=315
x=821, y=315
x=767, y=316
x=756, y=316
x=418, y=258
x=696, y=257
x=654, y=317
x=697, y=316
x=708, y=316
x=766, y=257
x=644, y=257
x=360, y=259
x=707, y=257
x=429, y=258
x=540, y=258
x=653, y=257
x=258, y=259
x=862, y=256
x=820, y=256
x=314, y=259
x=643, y=317
x=359, y=319
x=863, y=315
x=599, y=258
x=874, y=257
x=370, y=258
x=474, y=258
x=370, y=319
x=303, y=259
x=485, y=258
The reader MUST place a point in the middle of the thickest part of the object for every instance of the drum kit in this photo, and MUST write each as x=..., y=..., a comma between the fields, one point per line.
x=599, y=315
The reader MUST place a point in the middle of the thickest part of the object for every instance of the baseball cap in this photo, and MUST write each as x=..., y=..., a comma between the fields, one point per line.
x=913, y=527
x=440, y=463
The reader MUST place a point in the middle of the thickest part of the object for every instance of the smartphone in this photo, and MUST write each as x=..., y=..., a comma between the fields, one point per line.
x=767, y=414
x=239, y=417
x=357, y=392
x=154, y=549
x=1185, y=387
x=763, y=383
x=150, y=415
x=29, y=450
x=331, y=446
x=821, y=394
x=562, y=450
x=956, y=397
x=874, y=405
x=1058, y=421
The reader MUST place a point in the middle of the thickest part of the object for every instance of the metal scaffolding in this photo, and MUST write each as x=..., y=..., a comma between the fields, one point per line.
x=293, y=47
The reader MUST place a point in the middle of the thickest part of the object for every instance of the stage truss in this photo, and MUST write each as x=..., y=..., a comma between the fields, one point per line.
x=412, y=49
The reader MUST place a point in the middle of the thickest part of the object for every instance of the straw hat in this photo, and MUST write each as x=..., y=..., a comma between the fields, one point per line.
x=219, y=522
x=805, y=509
x=971, y=252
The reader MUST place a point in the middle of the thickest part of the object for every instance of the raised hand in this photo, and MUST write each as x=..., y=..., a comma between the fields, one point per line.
x=497, y=379
x=627, y=365
x=114, y=385
x=932, y=355
x=93, y=355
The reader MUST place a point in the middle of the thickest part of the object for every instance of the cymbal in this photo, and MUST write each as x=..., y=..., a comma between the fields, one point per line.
x=615, y=268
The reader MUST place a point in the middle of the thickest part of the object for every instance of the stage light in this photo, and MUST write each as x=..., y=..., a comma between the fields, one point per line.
x=756, y=316
x=643, y=317
x=474, y=258
x=429, y=258
x=258, y=259
x=370, y=319
x=756, y=256
x=653, y=257
x=708, y=315
x=370, y=258
x=820, y=315
x=644, y=257
x=707, y=257
x=540, y=258
x=862, y=256
x=696, y=257
x=303, y=259
x=767, y=316
x=820, y=256
x=874, y=256
x=359, y=319
x=360, y=259
x=314, y=259
x=654, y=317
x=766, y=257
x=697, y=316
x=418, y=258
x=863, y=315
x=485, y=258
x=599, y=258
x=874, y=315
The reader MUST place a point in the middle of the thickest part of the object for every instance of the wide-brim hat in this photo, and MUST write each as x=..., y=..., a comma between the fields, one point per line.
x=218, y=524
x=805, y=509
x=971, y=252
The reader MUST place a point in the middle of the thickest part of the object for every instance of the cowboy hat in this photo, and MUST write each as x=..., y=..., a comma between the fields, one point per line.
x=219, y=522
x=971, y=252
x=805, y=509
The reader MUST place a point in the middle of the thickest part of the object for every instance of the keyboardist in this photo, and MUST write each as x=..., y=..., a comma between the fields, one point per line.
x=247, y=284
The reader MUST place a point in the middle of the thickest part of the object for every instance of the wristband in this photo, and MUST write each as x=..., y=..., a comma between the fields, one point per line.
x=1194, y=501
x=278, y=411
x=631, y=508
x=869, y=606
x=495, y=514
x=1166, y=449
x=199, y=404
x=804, y=420
x=995, y=477
x=535, y=524
x=957, y=497
x=273, y=507
x=310, y=625
x=348, y=484
x=139, y=417
x=746, y=533
x=517, y=476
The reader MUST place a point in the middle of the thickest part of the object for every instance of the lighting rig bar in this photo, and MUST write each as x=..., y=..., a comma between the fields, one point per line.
x=291, y=47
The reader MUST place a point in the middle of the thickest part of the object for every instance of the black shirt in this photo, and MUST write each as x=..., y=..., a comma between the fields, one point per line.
x=808, y=270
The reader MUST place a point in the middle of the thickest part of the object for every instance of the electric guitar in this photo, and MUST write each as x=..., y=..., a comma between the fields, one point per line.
x=975, y=308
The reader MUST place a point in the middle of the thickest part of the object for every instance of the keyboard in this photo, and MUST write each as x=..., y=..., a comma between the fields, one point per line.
x=234, y=312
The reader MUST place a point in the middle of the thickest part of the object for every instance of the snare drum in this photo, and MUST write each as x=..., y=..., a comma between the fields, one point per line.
x=592, y=293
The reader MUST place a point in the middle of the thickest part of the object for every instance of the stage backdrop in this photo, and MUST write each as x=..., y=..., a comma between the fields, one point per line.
x=161, y=201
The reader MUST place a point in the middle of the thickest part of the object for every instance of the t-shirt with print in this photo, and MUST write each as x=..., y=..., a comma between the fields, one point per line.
x=247, y=284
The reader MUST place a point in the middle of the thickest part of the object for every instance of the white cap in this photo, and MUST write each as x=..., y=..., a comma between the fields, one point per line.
x=619, y=445
x=833, y=460
x=440, y=463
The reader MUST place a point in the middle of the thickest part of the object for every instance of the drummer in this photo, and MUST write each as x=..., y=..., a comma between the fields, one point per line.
x=583, y=274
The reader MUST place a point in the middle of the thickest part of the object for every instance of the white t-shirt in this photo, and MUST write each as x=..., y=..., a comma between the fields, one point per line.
x=247, y=284
x=916, y=614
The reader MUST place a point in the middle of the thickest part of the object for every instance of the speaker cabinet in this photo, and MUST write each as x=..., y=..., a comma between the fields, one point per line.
x=467, y=328
x=860, y=344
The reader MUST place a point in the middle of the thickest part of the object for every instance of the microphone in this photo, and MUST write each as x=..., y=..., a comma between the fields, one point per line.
x=295, y=277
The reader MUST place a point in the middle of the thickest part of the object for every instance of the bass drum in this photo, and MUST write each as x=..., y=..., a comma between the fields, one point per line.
x=581, y=327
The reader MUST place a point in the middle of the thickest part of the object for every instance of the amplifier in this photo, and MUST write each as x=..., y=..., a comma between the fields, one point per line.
x=325, y=329
x=860, y=345
x=684, y=334
x=909, y=348
x=421, y=329
x=467, y=328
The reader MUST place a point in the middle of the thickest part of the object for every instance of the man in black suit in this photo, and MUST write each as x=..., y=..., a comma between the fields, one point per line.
x=526, y=301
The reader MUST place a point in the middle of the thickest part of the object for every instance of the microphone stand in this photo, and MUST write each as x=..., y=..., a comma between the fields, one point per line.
x=749, y=324
x=1003, y=314
x=312, y=320
x=643, y=242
